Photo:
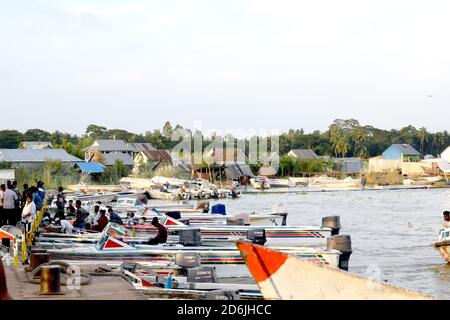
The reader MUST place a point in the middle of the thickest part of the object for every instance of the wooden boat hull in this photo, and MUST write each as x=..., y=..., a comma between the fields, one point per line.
x=282, y=276
x=444, y=249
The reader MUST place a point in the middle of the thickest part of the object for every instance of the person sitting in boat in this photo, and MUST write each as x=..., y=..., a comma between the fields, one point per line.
x=66, y=227
x=129, y=220
x=234, y=194
x=165, y=187
x=102, y=221
x=93, y=216
x=70, y=206
x=446, y=219
x=81, y=215
x=114, y=217
x=161, y=237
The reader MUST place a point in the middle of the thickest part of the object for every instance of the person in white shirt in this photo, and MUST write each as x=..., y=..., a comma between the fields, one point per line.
x=9, y=205
x=66, y=226
x=29, y=210
x=446, y=219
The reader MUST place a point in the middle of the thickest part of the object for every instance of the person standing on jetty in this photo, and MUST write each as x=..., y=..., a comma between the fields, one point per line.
x=9, y=205
x=36, y=199
x=24, y=194
x=60, y=200
x=28, y=212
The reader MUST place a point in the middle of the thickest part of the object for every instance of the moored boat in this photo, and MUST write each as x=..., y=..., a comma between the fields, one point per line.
x=443, y=244
x=282, y=276
x=227, y=260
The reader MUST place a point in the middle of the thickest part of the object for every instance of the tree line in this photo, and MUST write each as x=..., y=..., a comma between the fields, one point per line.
x=343, y=138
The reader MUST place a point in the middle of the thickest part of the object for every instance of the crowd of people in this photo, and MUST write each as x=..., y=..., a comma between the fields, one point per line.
x=20, y=207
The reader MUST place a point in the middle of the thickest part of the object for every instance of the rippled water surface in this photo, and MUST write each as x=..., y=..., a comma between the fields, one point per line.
x=392, y=231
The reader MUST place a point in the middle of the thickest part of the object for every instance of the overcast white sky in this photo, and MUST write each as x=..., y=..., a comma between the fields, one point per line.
x=227, y=63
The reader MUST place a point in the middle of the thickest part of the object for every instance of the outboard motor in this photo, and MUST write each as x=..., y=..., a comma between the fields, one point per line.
x=218, y=209
x=174, y=214
x=202, y=274
x=190, y=237
x=187, y=260
x=343, y=243
x=222, y=295
x=257, y=236
x=333, y=222
x=203, y=205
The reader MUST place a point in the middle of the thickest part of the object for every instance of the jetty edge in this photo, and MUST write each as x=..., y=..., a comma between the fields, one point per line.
x=283, y=277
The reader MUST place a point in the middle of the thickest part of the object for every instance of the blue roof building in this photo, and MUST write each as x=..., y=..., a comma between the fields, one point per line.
x=90, y=167
x=403, y=152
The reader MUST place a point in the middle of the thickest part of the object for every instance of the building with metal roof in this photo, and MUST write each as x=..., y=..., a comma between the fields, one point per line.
x=305, y=154
x=349, y=165
x=403, y=152
x=152, y=159
x=140, y=146
x=235, y=171
x=108, y=151
x=103, y=145
x=110, y=159
x=35, y=158
x=90, y=167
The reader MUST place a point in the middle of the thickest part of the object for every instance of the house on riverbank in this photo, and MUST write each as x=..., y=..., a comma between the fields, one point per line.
x=109, y=151
x=35, y=158
x=401, y=158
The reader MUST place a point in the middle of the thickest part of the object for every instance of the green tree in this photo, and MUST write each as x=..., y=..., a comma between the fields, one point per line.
x=95, y=131
x=423, y=138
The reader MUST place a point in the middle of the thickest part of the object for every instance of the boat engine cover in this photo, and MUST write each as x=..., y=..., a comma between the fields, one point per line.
x=190, y=237
x=202, y=274
x=257, y=236
x=343, y=243
x=187, y=260
x=333, y=222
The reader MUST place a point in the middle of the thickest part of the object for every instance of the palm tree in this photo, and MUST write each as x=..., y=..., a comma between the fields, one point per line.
x=359, y=136
x=423, y=138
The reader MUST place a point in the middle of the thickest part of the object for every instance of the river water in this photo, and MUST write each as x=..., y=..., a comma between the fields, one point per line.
x=392, y=230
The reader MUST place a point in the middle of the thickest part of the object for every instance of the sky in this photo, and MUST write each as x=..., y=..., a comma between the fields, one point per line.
x=223, y=65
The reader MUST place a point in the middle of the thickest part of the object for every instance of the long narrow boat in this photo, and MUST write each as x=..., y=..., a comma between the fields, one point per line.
x=219, y=219
x=210, y=236
x=443, y=244
x=281, y=276
x=227, y=260
x=228, y=235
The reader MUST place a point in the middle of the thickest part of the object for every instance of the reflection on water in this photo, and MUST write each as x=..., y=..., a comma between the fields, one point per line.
x=391, y=230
